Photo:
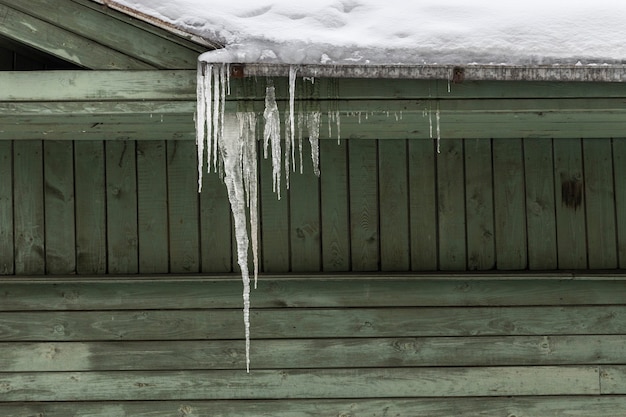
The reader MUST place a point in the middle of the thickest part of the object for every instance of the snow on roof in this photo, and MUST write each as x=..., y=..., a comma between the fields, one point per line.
x=362, y=32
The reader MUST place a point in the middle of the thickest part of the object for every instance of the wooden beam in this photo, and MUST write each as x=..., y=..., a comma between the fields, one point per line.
x=61, y=43
x=109, y=29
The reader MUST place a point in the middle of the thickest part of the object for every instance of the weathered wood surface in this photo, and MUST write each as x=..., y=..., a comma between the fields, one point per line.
x=537, y=344
x=189, y=292
x=380, y=206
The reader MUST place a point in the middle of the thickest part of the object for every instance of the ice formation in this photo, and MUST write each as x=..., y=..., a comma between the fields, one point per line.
x=229, y=141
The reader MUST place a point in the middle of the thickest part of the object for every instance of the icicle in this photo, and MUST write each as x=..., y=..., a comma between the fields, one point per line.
x=438, y=132
x=288, y=151
x=207, y=94
x=231, y=150
x=292, y=99
x=200, y=119
x=301, y=121
x=430, y=124
x=338, y=127
x=313, y=125
x=247, y=129
x=271, y=134
x=216, y=114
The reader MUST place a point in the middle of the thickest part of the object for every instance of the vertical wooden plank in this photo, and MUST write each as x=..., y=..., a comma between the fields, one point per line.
x=364, y=237
x=423, y=205
x=540, y=210
x=479, y=205
x=274, y=221
x=59, y=207
x=182, y=183
x=619, y=175
x=304, y=205
x=335, y=220
x=28, y=207
x=451, y=205
x=394, y=205
x=215, y=225
x=599, y=204
x=570, y=204
x=6, y=208
x=121, y=177
x=152, y=207
x=89, y=183
x=509, y=203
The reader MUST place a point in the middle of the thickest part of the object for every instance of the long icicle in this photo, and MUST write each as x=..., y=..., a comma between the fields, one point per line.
x=200, y=120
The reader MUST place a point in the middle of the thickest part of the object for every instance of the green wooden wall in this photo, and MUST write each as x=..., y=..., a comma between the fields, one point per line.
x=132, y=207
x=361, y=346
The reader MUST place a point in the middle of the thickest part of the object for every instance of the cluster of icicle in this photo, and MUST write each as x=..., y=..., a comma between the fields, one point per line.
x=227, y=144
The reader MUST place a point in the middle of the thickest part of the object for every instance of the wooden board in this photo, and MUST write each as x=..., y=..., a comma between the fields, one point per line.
x=393, y=187
x=540, y=206
x=121, y=203
x=28, y=206
x=182, y=185
x=600, y=204
x=479, y=206
x=510, y=210
x=570, y=204
x=152, y=199
x=451, y=206
x=59, y=207
x=619, y=169
x=7, y=256
x=364, y=211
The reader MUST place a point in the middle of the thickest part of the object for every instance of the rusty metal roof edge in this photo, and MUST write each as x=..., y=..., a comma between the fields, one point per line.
x=454, y=73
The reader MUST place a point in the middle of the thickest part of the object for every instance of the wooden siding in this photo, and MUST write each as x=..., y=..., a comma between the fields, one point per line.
x=534, y=345
x=126, y=207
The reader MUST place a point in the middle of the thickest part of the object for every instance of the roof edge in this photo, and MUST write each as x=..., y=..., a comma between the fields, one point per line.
x=453, y=73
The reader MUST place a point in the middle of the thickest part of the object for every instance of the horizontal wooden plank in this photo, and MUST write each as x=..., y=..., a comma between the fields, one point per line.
x=613, y=379
x=313, y=353
x=180, y=292
x=93, y=24
x=288, y=384
x=311, y=323
x=98, y=85
x=557, y=406
x=64, y=44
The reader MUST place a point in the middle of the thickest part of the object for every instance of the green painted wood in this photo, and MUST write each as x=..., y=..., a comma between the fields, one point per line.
x=226, y=324
x=619, y=178
x=364, y=215
x=423, y=205
x=274, y=217
x=152, y=197
x=509, y=201
x=90, y=196
x=393, y=189
x=61, y=43
x=59, y=203
x=334, y=190
x=304, y=217
x=351, y=383
x=121, y=206
x=7, y=256
x=570, y=204
x=112, y=33
x=182, y=185
x=540, y=209
x=313, y=353
x=98, y=85
x=556, y=406
x=479, y=207
x=215, y=225
x=613, y=379
x=531, y=406
x=600, y=204
x=126, y=293
x=451, y=206
x=28, y=208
